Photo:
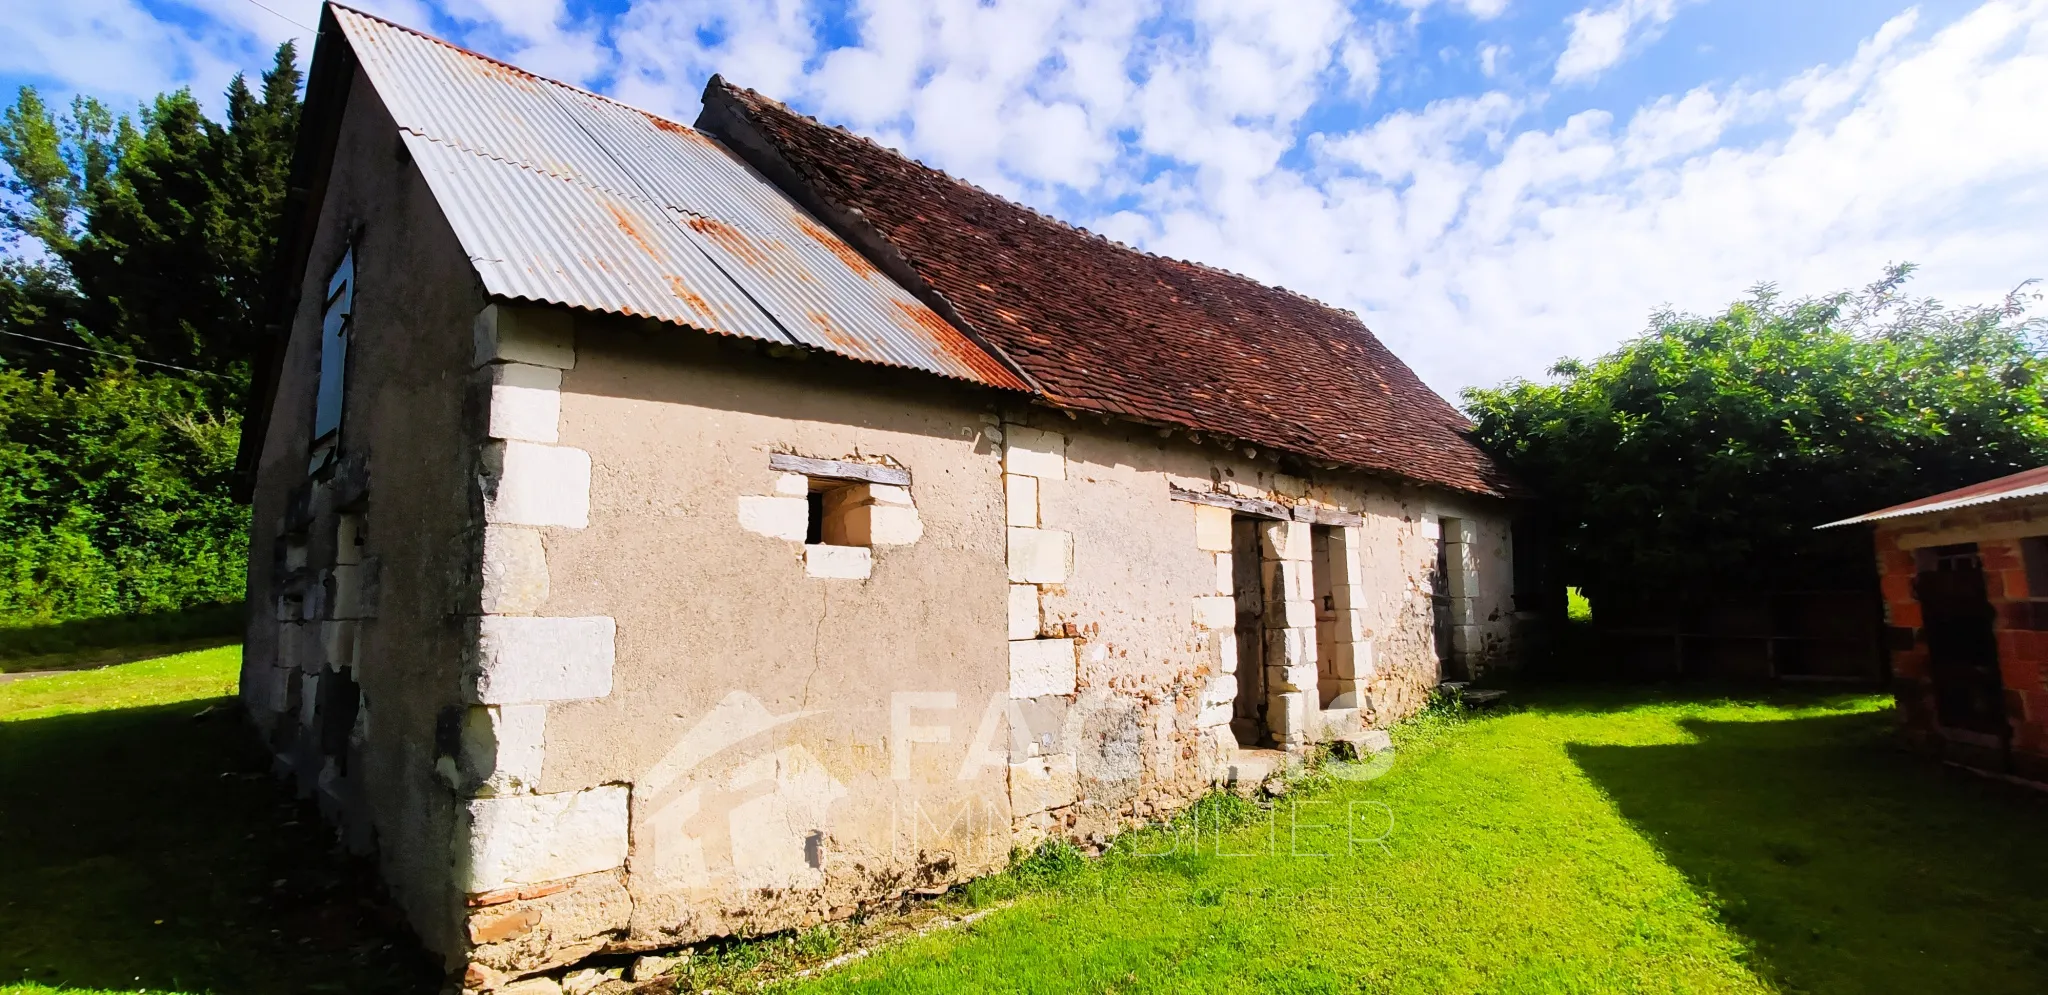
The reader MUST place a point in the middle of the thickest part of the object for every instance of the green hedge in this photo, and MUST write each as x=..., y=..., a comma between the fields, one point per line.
x=114, y=498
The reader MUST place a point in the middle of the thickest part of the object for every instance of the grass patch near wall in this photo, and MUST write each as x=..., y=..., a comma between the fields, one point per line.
x=145, y=846
x=35, y=645
x=1585, y=840
x=1589, y=842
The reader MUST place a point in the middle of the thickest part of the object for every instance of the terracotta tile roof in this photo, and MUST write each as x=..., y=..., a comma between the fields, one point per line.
x=1104, y=327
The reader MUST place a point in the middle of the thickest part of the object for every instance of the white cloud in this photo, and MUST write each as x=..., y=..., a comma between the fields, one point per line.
x=1489, y=59
x=1479, y=241
x=1484, y=10
x=1601, y=37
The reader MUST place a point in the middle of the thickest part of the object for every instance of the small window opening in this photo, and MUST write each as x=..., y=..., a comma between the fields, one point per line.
x=830, y=520
x=336, y=319
x=814, y=523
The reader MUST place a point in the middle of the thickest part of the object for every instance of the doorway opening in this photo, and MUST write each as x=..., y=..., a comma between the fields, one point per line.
x=1962, y=648
x=1324, y=581
x=1247, y=588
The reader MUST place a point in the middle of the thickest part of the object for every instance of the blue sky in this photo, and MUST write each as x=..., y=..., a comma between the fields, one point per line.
x=1491, y=184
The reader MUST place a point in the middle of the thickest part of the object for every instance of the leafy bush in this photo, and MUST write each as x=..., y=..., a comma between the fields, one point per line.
x=114, y=497
x=1702, y=454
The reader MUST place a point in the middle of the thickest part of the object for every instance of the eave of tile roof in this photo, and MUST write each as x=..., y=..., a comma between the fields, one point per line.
x=1100, y=326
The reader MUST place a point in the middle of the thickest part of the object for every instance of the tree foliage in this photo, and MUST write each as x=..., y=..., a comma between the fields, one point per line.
x=132, y=303
x=1702, y=454
x=162, y=224
x=114, y=497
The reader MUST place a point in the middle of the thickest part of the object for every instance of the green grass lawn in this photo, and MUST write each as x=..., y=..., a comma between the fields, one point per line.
x=1585, y=841
x=144, y=846
x=1588, y=842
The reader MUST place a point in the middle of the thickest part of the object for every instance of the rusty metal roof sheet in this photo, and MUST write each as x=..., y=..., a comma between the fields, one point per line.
x=2025, y=484
x=565, y=197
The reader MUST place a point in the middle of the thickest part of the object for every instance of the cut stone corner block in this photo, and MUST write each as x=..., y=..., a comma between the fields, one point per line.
x=1034, y=452
x=1285, y=540
x=1024, y=619
x=1216, y=611
x=838, y=562
x=1041, y=667
x=528, y=839
x=1212, y=528
x=503, y=748
x=1020, y=500
x=1291, y=717
x=516, y=333
x=520, y=659
x=526, y=402
x=1040, y=556
x=526, y=483
x=515, y=571
x=1040, y=784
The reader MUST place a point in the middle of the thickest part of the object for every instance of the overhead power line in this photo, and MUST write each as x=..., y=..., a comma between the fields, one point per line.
x=292, y=20
x=103, y=352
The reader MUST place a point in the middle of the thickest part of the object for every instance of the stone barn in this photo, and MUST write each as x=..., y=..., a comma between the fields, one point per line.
x=662, y=532
x=1965, y=581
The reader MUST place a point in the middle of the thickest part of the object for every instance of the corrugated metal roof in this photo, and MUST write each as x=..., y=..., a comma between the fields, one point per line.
x=532, y=236
x=562, y=196
x=2024, y=484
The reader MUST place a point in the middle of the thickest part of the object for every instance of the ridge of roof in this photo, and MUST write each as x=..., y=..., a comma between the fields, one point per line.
x=1152, y=338
x=719, y=80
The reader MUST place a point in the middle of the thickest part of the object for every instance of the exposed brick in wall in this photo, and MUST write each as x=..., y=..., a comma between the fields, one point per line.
x=2020, y=626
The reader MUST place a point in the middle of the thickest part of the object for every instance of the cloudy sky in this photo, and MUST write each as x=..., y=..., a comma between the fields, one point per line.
x=1492, y=184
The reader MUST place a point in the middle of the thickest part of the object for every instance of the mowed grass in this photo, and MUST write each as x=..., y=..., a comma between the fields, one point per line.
x=145, y=846
x=1587, y=842
x=1583, y=841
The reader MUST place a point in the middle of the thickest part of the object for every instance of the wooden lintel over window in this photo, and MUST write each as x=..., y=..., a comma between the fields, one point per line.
x=1258, y=508
x=832, y=469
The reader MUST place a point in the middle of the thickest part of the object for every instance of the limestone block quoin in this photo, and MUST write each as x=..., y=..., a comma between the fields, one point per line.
x=1215, y=612
x=518, y=659
x=515, y=572
x=1040, y=556
x=503, y=747
x=1024, y=618
x=1020, y=500
x=1040, y=784
x=1034, y=452
x=526, y=402
x=1042, y=667
x=1212, y=528
x=535, y=336
x=527, y=839
x=526, y=483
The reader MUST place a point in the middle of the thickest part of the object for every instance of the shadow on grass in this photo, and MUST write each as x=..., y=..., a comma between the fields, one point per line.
x=148, y=848
x=1848, y=864
x=101, y=642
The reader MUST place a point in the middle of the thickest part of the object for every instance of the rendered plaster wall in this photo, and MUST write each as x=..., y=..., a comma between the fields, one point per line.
x=785, y=730
x=354, y=573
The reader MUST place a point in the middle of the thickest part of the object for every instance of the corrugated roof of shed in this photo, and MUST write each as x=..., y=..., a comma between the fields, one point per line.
x=564, y=197
x=2024, y=484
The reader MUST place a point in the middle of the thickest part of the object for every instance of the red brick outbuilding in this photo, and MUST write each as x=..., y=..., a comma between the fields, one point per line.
x=1965, y=582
